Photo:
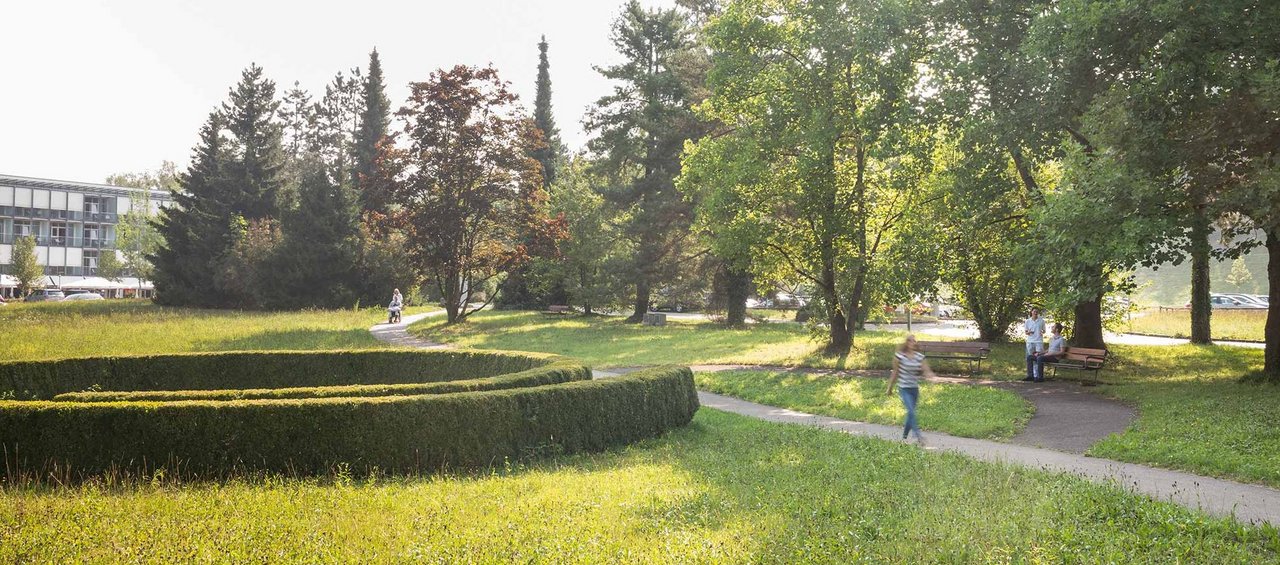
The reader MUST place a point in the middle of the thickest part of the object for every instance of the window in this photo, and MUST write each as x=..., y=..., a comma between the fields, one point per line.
x=22, y=228
x=90, y=233
x=89, y=259
x=58, y=231
x=92, y=204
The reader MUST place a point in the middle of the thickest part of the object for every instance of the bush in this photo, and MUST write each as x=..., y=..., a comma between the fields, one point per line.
x=44, y=380
x=552, y=374
x=555, y=409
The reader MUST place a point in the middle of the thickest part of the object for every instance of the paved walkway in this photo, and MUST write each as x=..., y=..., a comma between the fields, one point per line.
x=1065, y=418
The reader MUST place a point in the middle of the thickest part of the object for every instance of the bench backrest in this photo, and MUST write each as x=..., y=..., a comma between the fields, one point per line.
x=974, y=347
x=559, y=308
x=1089, y=356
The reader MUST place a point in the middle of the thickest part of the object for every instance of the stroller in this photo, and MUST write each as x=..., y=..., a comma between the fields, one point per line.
x=393, y=313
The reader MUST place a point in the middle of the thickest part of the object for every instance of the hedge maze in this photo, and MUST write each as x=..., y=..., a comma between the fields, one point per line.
x=396, y=411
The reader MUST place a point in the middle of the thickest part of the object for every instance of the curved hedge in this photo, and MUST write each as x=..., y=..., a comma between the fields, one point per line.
x=547, y=404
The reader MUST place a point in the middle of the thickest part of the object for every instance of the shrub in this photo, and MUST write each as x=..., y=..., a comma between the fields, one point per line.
x=550, y=406
x=555, y=373
x=43, y=380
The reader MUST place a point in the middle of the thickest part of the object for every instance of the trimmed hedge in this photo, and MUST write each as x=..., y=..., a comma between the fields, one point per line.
x=555, y=373
x=44, y=380
x=392, y=433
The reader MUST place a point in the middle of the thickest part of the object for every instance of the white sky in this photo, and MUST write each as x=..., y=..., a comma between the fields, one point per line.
x=94, y=87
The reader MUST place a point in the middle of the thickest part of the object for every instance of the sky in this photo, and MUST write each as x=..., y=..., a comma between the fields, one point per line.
x=92, y=88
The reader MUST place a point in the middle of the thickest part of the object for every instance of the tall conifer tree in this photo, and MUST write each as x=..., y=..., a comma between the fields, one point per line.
x=236, y=174
x=375, y=117
x=544, y=120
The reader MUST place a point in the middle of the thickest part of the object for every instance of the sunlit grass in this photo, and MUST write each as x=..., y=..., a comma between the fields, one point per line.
x=726, y=489
x=52, y=330
x=1243, y=325
x=957, y=409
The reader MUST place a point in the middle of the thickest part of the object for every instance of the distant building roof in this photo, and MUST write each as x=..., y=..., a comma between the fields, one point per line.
x=76, y=186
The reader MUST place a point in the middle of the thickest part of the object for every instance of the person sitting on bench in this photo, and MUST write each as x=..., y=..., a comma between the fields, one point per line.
x=1057, y=347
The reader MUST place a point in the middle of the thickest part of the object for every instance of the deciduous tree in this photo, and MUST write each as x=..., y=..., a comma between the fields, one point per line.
x=471, y=194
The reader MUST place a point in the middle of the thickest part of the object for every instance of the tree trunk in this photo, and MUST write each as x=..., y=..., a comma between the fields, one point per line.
x=450, y=292
x=1272, y=332
x=642, y=302
x=841, y=338
x=1088, y=328
x=737, y=287
x=1201, y=309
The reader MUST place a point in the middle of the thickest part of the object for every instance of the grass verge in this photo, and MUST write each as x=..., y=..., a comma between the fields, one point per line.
x=967, y=411
x=56, y=330
x=726, y=489
x=1231, y=325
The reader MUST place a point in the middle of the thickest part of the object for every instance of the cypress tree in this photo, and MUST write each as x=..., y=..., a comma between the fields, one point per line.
x=375, y=117
x=544, y=120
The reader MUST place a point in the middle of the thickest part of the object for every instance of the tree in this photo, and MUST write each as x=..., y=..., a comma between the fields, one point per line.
x=235, y=178
x=110, y=266
x=375, y=118
x=581, y=274
x=26, y=266
x=550, y=155
x=640, y=132
x=825, y=147
x=137, y=236
x=320, y=248
x=472, y=193
x=1240, y=277
x=337, y=126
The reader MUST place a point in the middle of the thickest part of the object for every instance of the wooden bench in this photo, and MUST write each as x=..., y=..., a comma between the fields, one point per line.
x=972, y=351
x=558, y=310
x=1081, y=359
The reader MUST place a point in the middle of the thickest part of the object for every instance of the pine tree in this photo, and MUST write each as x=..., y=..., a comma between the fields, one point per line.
x=256, y=174
x=544, y=120
x=317, y=264
x=375, y=118
x=236, y=177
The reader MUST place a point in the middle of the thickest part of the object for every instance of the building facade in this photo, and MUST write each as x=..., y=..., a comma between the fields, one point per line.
x=74, y=224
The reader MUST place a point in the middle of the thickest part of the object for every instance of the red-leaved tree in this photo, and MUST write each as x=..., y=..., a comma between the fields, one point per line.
x=470, y=197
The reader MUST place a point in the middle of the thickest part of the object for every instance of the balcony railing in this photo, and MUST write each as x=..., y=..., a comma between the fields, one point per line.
x=72, y=215
x=57, y=241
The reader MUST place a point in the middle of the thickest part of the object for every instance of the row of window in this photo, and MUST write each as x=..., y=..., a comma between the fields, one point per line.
x=41, y=213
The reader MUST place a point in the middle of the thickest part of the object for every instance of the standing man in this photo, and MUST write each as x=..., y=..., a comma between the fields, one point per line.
x=1034, y=327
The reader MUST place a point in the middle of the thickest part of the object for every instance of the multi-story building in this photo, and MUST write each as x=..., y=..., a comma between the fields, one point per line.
x=74, y=224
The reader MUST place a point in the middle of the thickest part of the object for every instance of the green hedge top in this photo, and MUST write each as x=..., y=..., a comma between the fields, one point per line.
x=555, y=373
x=43, y=380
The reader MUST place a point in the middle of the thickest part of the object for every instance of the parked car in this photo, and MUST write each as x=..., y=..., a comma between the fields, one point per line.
x=1230, y=302
x=83, y=296
x=1244, y=298
x=1262, y=299
x=46, y=295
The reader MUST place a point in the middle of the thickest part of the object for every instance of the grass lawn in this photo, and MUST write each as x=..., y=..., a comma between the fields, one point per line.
x=113, y=327
x=967, y=411
x=1242, y=325
x=726, y=489
x=1193, y=412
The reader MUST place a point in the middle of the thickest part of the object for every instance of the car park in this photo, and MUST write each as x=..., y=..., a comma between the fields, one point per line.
x=46, y=295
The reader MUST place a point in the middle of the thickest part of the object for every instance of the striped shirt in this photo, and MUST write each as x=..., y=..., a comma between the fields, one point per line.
x=910, y=366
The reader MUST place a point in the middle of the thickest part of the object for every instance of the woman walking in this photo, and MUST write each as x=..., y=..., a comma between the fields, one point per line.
x=908, y=366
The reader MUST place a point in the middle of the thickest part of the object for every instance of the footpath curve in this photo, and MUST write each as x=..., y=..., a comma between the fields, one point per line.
x=1065, y=410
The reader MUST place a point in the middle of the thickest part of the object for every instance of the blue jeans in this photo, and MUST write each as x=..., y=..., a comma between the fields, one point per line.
x=1040, y=361
x=910, y=397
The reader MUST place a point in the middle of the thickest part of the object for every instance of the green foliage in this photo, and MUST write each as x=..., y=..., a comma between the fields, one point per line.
x=724, y=489
x=365, y=435
x=553, y=152
x=641, y=129
x=825, y=146
x=316, y=264
x=110, y=266
x=46, y=379
x=236, y=177
x=375, y=117
x=956, y=409
x=26, y=266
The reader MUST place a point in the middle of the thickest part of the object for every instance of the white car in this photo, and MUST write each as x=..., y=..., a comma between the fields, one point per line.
x=83, y=296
